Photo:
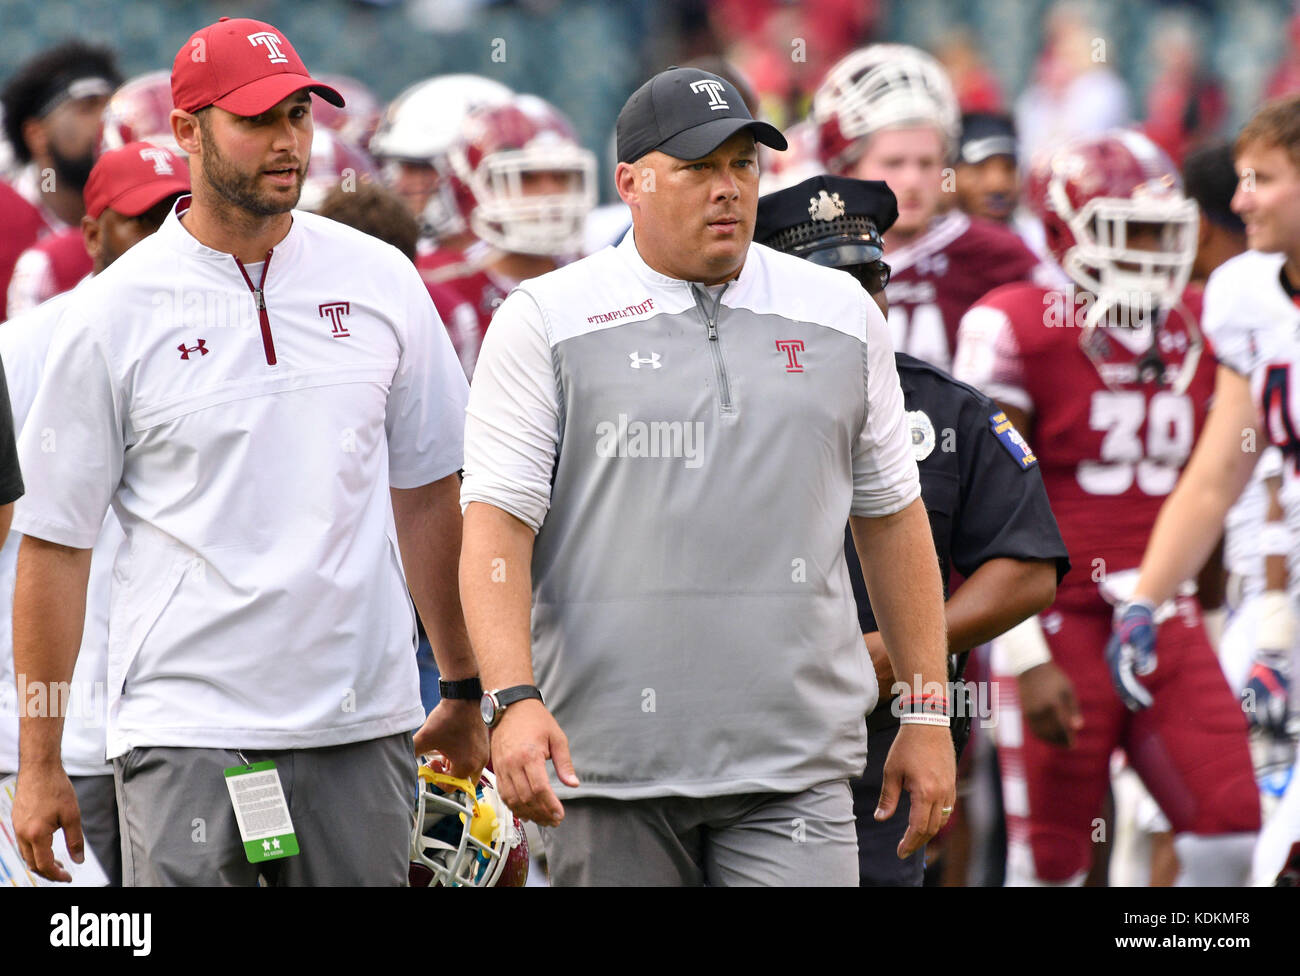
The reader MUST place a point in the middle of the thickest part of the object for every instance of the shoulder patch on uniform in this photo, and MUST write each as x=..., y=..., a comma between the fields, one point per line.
x=1016, y=446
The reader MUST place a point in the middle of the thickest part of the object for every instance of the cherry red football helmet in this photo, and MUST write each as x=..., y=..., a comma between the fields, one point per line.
x=334, y=162
x=533, y=183
x=464, y=836
x=422, y=126
x=1091, y=193
x=358, y=119
x=140, y=111
x=879, y=87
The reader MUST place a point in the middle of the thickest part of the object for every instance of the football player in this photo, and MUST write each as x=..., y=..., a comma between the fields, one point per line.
x=532, y=186
x=988, y=511
x=414, y=142
x=1253, y=316
x=888, y=112
x=1110, y=380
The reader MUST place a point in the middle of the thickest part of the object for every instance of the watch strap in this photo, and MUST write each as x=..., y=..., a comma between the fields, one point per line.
x=469, y=689
x=518, y=693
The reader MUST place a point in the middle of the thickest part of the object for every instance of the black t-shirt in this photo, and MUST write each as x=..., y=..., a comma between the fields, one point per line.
x=11, y=479
x=983, y=501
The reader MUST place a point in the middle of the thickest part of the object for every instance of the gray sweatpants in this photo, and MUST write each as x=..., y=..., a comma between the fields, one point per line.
x=803, y=838
x=351, y=807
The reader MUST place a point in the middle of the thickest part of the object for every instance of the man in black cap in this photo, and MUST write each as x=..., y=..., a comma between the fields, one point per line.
x=988, y=183
x=988, y=510
x=663, y=445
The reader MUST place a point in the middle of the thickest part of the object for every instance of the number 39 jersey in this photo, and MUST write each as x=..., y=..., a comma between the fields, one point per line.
x=1255, y=326
x=1113, y=422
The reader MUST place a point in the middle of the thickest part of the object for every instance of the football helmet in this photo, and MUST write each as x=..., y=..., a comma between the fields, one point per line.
x=140, y=111
x=883, y=86
x=358, y=120
x=1089, y=194
x=503, y=149
x=464, y=836
x=422, y=125
x=333, y=162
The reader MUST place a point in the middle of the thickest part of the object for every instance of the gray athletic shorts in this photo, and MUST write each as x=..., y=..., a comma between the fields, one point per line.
x=803, y=838
x=351, y=807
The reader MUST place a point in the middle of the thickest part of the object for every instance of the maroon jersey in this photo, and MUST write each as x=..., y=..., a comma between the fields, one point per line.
x=433, y=264
x=20, y=225
x=942, y=273
x=51, y=266
x=467, y=297
x=1113, y=423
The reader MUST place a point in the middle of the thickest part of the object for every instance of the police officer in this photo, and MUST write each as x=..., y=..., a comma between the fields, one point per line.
x=982, y=491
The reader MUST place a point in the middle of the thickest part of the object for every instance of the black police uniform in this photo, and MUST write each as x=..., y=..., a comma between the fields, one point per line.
x=985, y=500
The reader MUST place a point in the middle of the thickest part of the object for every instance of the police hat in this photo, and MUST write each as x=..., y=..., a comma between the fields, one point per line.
x=830, y=220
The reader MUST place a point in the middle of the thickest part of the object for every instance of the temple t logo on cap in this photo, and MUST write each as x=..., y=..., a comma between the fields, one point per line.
x=714, y=89
x=161, y=159
x=272, y=44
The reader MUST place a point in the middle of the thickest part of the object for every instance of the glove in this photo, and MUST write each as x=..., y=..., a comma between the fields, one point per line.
x=1131, y=651
x=1264, y=699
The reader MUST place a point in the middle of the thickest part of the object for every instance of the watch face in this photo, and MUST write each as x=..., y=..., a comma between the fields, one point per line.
x=487, y=708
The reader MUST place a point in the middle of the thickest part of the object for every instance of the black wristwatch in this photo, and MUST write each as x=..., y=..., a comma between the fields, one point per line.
x=467, y=689
x=494, y=703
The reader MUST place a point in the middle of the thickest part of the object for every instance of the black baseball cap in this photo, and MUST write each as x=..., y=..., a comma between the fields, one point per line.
x=985, y=135
x=830, y=220
x=686, y=113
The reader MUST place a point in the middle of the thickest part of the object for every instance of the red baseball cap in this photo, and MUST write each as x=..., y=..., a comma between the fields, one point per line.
x=244, y=66
x=134, y=178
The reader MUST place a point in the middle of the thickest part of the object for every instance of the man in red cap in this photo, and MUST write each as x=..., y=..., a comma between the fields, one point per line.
x=268, y=440
x=127, y=196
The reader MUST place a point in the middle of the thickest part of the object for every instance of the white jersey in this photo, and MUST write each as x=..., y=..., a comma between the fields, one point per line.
x=1255, y=328
x=24, y=342
x=248, y=448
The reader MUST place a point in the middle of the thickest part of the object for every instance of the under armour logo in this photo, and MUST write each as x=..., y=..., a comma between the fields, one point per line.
x=201, y=349
x=161, y=159
x=334, y=311
x=638, y=362
x=272, y=44
x=714, y=89
x=791, y=348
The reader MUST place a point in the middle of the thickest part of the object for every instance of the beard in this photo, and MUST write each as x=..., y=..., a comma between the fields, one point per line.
x=240, y=189
x=72, y=171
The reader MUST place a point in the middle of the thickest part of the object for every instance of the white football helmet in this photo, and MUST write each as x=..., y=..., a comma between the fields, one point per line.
x=879, y=87
x=464, y=837
x=502, y=149
x=422, y=125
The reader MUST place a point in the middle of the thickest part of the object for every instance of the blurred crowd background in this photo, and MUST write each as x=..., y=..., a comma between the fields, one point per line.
x=1187, y=69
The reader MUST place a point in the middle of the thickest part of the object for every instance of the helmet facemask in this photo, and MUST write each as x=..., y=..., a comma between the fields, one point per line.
x=462, y=835
x=1102, y=261
x=515, y=220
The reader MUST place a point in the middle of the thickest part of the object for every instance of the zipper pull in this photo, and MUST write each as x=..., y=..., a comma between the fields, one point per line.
x=713, y=331
x=258, y=300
